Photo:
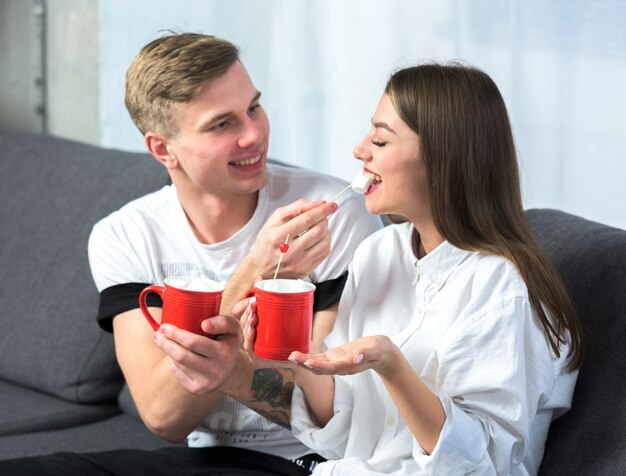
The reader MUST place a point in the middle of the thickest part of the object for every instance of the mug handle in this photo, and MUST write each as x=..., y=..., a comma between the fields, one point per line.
x=144, y=307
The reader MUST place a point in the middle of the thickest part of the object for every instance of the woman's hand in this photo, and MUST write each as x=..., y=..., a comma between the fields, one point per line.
x=373, y=352
x=246, y=311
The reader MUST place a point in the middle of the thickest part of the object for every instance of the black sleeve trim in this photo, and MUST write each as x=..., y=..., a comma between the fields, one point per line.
x=328, y=292
x=121, y=298
x=124, y=297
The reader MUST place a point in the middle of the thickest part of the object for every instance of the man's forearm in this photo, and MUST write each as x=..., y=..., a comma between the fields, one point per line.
x=166, y=407
x=271, y=392
x=239, y=283
x=267, y=391
x=176, y=412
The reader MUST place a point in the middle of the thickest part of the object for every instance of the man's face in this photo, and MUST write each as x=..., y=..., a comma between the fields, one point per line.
x=223, y=136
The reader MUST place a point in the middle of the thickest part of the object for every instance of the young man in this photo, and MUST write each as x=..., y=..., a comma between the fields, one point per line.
x=223, y=218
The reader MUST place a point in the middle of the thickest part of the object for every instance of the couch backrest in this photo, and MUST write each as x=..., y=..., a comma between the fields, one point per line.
x=591, y=438
x=52, y=191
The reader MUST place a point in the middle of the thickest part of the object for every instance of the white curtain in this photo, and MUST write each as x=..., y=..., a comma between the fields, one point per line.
x=322, y=64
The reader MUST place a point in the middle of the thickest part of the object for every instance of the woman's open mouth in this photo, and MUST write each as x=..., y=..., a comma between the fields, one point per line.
x=376, y=181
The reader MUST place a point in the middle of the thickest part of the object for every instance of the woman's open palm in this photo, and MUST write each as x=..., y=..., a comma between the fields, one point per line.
x=351, y=358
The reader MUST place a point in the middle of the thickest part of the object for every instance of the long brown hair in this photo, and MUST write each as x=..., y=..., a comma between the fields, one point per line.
x=467, y=146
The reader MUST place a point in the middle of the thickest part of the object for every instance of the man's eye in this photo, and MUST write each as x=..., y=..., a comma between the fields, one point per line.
x=251, y=109
x=221, y=125
x=379, y=143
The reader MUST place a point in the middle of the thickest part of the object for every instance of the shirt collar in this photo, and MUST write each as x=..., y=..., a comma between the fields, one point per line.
x=438, y=265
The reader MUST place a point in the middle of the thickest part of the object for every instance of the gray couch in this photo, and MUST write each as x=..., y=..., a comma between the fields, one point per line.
x=60, y=386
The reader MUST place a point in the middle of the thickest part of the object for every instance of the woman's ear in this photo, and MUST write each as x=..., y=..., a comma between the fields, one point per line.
x=161, y=150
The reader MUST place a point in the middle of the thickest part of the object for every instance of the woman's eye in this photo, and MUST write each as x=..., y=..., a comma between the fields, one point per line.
x=379, y=143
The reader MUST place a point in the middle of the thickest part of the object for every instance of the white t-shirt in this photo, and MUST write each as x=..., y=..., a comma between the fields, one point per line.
x=464, y=322
x=150, y=238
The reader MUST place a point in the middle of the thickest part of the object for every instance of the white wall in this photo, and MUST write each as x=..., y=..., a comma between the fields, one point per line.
x=72, y=71
x=322, y=64
x=21, y=66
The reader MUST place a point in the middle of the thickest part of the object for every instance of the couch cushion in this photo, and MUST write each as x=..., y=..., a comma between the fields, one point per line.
x=591, y=257
x=24, y=410
x=52, y=192
x=118, y=432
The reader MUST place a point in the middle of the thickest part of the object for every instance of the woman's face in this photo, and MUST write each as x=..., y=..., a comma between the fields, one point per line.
x=390, y=151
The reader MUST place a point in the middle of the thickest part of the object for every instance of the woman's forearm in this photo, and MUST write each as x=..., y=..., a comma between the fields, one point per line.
x=419, y=407
x=319, y=391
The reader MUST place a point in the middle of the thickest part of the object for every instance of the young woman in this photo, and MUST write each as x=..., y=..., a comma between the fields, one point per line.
x=455, y=343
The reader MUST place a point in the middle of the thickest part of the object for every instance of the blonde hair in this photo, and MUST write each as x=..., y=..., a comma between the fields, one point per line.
x=170, y=70
x=467, y=146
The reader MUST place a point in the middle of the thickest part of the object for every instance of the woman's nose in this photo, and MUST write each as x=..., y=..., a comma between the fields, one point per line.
x=361, y=152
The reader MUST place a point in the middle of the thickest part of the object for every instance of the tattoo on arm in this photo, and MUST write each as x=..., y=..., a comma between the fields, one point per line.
x=268, y=386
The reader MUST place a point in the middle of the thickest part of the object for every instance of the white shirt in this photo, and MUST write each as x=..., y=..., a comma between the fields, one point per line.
x=464, y=322
x=150, y=238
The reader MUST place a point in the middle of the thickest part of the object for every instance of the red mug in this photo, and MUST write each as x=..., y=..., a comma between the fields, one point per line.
x=284, y=309
x=187, y=301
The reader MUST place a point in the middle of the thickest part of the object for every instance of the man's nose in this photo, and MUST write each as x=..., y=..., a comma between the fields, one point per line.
x=252, y=134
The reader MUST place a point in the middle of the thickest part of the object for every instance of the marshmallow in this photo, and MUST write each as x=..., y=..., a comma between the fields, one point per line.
x=199, y=284
x=272, y=286
x=178, y=282
x=361, y=182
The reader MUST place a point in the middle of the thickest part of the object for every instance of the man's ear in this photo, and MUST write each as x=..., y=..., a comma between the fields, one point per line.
x=160, y=149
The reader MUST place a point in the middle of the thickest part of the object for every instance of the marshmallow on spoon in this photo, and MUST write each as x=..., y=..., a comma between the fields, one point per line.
x=361, y=182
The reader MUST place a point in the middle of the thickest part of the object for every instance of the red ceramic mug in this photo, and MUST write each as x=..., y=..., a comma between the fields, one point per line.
x=187, y=301
x=284, y=309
